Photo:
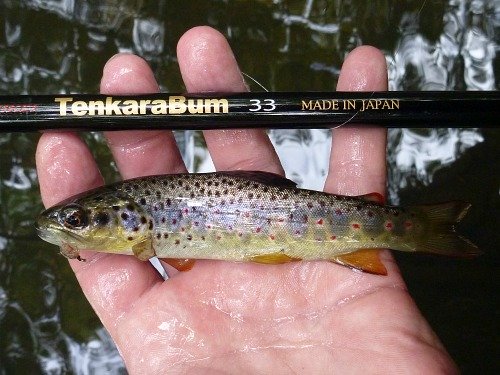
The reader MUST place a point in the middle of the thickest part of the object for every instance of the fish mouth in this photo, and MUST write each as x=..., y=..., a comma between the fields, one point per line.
x=53, y=233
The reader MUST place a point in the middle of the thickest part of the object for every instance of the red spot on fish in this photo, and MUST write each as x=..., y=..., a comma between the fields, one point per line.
x=305, y=218
x=196, y=223
x=281, y=220
x=240, y=234
x=257, y=230
x=333, y=238
x=309, y=205
x=320, y=222
x=209, y=226
x=297, y=232
x=389, y=225
x=272, y=237
x=174, y=221
x=186, y=211
x=218, y=237
x=356, y=226
x=247, y=214
x=408, y=224
x=183, y=229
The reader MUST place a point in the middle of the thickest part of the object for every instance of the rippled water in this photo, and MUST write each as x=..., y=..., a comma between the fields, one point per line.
x=52, y=46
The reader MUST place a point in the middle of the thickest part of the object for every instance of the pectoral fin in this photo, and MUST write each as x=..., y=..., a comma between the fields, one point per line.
x=273, y=258
x=364, y=259
x=180, y=264
x=144, y=249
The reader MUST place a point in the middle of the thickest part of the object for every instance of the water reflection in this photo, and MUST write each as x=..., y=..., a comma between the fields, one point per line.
x=447, y=46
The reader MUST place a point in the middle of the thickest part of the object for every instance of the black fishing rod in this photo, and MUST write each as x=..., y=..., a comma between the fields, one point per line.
x=395, y=109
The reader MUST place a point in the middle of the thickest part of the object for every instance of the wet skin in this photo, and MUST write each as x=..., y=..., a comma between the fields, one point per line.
x=246, y=318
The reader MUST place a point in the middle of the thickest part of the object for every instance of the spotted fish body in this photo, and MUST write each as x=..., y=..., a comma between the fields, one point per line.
x=245, y=216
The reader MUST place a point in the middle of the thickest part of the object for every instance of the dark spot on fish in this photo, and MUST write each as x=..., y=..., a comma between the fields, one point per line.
x=225, y=191
x=189, y=237
x=338, y=212
x=135, y=229
x=192, y=195
x=116, y=208
x=124, y=216
x=258, y=229
x=177, y=242
x=130, y=238
x=174, y=221
x=180, y=183
x=147, y=192
x=143, y=201
x=230, y=182
x=217, y=193
x=305, y=218
x=135, y=186
x=101, y=218
x=165, y=235
x=143, y=220
x=358, y=207
x=285, y=196
x=216, y=183
x=370, y=213
x=150, y=224
x=158, y=235
x=168, y=202
x=250, y=195
x=130, y=207
x=322, y=203
x=158, y=194
x=209, y=183
x=247, y=183
x=255, y=186
x=291, y=216
x=203, y=238
x=265, y=189
x=309, y=205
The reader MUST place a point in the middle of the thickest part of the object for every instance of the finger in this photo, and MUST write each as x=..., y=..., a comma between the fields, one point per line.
x=60, y=160
x=357, y=161
x=138, y=153
x=208, y=64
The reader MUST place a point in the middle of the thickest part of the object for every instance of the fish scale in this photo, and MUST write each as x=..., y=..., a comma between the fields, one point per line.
x=247, y=216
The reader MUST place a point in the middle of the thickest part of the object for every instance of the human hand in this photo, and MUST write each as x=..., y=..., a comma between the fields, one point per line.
x=312, y=317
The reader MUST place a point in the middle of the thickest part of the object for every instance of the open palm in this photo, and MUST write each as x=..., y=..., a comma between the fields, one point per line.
x=308, y=317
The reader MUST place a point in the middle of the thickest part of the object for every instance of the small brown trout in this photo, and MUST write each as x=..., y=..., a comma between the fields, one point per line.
x=247, y=216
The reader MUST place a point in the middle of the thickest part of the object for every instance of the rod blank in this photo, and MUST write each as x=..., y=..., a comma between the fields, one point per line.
x=396, y=109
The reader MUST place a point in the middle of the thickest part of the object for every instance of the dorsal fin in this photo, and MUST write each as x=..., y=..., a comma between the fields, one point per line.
x=372, y=197
x=267, y=178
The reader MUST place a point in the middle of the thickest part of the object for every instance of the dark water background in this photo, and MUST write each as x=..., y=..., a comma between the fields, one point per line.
x=60, y=46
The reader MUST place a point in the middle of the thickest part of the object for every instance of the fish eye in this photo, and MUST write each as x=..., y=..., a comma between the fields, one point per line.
x=73, y=216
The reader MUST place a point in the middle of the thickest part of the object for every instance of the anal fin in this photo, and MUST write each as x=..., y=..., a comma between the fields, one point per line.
x=180, y=264
x=273, y=258
x=363, y=259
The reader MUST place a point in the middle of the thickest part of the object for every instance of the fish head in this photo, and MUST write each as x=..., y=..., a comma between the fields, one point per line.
x=101, y=221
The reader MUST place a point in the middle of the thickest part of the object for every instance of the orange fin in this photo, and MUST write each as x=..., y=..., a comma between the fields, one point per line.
x=273, y=258
x=180, y=264
x=373, y=197
x=364, y=259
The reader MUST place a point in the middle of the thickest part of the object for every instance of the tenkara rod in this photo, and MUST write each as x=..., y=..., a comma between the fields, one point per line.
x=286, y=110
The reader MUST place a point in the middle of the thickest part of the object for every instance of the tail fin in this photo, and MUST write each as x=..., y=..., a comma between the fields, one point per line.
x=441, y=237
